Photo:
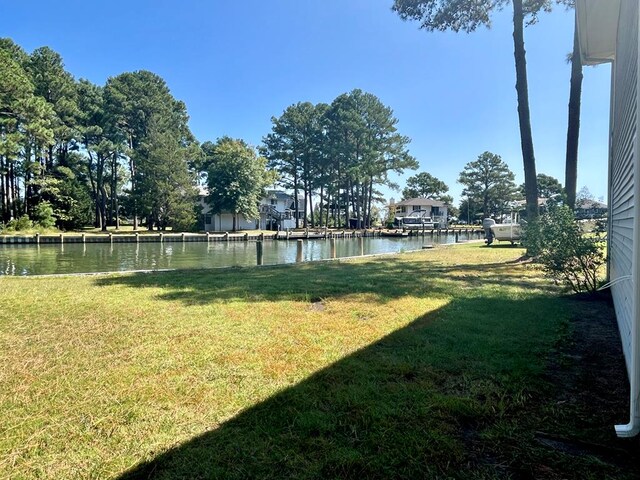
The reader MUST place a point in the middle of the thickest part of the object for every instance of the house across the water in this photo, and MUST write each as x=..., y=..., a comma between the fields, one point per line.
x=276, y=212
x=415, y=208
x=590, y=209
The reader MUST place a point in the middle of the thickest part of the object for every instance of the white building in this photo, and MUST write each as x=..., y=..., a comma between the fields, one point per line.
x=277, y=212
x=428, y=207
x=608, y=33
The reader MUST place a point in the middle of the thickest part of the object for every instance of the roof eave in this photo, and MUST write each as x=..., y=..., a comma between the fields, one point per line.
x=597, y=24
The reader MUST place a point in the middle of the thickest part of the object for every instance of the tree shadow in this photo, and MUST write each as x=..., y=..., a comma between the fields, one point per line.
x=382, y=278
x=411, y=405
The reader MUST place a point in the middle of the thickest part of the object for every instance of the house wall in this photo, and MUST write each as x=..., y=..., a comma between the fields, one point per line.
x=224, y=223
x=621, y=174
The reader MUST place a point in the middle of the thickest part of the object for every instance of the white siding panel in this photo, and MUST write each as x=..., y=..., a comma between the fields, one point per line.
x=624, y=125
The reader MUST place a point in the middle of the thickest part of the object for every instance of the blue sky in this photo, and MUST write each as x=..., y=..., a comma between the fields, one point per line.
x=236, y=64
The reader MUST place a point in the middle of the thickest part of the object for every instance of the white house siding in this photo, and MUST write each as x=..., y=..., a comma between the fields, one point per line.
x=224, y=223
x=623, y=142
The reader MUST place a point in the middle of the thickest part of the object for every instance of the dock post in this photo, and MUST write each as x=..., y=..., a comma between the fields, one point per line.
x=259, y=253
x=161, y=236
x=226, y=236
x=299, y=251
x=456, y=236
x=61, y=238
x=84, y=238
x=361, y=244
x=183, y=237
x=37, y=238
x=332, y=244
x=137, y=237
x=110, y=237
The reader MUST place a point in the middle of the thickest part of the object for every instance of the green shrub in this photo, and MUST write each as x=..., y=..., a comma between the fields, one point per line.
x=556, y=241
x=19, y=224
x=43, y=215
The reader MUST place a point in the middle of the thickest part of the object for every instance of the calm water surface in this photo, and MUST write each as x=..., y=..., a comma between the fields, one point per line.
x=104, y=257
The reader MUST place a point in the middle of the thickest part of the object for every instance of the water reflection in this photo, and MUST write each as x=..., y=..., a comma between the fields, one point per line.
x=107, y=257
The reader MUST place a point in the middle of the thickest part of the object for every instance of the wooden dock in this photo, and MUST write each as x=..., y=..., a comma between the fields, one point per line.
x=161, y=237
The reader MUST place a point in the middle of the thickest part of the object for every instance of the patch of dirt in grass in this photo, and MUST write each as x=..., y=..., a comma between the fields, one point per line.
x=591, y=389
x=566, y=428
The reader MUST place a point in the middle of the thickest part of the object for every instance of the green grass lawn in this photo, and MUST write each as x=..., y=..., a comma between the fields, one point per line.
x=422, y=365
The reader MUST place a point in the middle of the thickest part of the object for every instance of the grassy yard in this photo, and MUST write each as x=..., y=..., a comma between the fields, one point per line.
x=448, y=363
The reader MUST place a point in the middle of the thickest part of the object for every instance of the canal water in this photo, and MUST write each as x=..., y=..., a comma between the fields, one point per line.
x=118, y=257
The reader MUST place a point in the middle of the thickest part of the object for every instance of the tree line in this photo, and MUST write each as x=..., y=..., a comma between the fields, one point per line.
x=79, y=154
x=84, y=153
x=340, y=151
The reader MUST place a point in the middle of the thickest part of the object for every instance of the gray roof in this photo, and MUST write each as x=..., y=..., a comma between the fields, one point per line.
x=430, y=202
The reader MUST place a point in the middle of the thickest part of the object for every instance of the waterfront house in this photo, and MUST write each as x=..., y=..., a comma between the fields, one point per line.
x=435, y=209
x=276, y=212
x=590, y=209
x=608, y=33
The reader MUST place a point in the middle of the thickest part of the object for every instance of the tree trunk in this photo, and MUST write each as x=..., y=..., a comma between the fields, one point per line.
x=370, y=202
x=3, y=196
x=320, y=214
x=346, y=205
x=573, y=129
x=295, y=195
x=8, y=191
x=103, y=208
x=524, y=116
x=306, y=201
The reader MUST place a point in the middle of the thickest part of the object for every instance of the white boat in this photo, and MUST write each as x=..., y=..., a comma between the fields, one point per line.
x=506, y=232
x=510, y=231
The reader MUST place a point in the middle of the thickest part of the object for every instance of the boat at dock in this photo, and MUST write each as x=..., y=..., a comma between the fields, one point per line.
x=393, y=233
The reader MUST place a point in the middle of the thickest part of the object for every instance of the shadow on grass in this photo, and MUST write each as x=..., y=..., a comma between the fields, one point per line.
x=414, y=404
x=383, y=278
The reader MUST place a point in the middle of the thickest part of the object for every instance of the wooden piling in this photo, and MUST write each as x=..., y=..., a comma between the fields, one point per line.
x=332, y=244
x=299, y=251
x=259, y=252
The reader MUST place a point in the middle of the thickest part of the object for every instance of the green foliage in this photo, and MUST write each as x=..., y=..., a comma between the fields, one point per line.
x=426, y=185
x=164, y=182
x=19, y=224
x=43, y=215
x=344, y=150
x=557, y=242
x=237, y=177
x=489, y=183
x=548, y=187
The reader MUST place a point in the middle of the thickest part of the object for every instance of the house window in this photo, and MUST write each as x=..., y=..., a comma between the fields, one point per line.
x=417, y=207
x=401, y=209
x=207, y=219
x=435, y=211
x=274, y=201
